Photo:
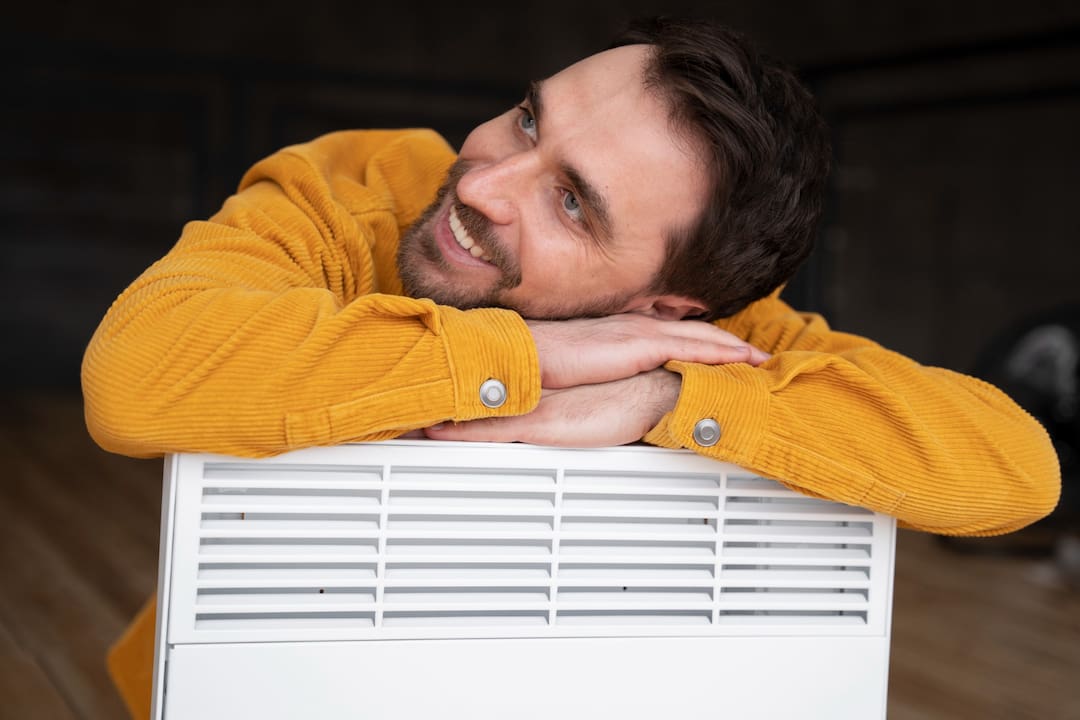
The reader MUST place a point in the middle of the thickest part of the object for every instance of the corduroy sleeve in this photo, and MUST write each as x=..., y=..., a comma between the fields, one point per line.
x=279, y=323
x=837, y=416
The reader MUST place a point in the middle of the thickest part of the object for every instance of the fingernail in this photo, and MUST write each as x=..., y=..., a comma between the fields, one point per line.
x=438, y=427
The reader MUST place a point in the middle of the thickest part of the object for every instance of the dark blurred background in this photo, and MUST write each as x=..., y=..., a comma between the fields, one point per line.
x=952, y=231
x=955, y=126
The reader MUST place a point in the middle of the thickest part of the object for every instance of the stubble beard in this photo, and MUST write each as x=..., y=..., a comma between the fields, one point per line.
x=423, y=269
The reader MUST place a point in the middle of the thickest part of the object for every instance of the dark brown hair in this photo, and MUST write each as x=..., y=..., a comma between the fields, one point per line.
x=769, y=161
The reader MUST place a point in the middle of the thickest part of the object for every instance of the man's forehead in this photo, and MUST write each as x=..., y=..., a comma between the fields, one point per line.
x=606, y=74
x=627, y=60
x=615, y=131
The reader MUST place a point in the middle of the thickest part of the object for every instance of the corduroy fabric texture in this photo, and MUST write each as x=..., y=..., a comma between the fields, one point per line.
x=279, y=324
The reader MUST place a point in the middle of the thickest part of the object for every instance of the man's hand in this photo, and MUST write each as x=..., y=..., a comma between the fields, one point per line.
x=591, y=351
x=602, y=380
x=598, y=415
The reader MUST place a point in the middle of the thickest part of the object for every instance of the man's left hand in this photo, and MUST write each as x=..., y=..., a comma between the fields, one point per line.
x=600, y=415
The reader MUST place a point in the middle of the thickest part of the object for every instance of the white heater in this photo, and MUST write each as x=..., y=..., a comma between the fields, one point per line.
x=422, y=579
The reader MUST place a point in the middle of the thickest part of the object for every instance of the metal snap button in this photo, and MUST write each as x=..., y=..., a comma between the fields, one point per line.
x=706, y=432
x=492, y=393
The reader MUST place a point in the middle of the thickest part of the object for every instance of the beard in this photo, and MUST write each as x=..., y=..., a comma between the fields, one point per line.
x=425, y=273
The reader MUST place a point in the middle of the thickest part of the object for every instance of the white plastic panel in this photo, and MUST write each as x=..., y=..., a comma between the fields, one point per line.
x=748, y=678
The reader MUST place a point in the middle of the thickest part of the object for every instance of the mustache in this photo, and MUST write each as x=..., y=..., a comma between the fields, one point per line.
x=480, y=228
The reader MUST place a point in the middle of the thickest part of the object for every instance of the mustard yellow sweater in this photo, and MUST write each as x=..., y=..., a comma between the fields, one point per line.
x=279, y=324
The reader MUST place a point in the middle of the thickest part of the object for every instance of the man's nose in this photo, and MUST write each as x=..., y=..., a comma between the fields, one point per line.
x=497, y=188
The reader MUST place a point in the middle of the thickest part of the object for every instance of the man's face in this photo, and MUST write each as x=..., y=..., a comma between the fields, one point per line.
x=561, y=207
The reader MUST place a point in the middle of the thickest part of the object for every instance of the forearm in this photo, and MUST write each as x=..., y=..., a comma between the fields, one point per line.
x=942, y=452
x=258, y=373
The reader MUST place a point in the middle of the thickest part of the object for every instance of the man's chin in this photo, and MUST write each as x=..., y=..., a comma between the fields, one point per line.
x=419, y=280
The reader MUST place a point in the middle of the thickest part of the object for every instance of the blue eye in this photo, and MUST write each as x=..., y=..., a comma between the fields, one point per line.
x=526, y=121
x=572, y=206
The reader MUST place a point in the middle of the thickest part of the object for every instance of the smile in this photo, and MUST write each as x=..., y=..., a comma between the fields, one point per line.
x=464, y=239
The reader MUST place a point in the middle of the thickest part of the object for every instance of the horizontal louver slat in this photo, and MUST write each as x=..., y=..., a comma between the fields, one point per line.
x=467, y=618
x=790, y=618
x=649, y=483
x=633, y=618
x=268, y=622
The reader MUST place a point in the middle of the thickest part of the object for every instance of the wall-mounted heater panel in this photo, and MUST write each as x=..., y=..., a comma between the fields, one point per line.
x=421, y=579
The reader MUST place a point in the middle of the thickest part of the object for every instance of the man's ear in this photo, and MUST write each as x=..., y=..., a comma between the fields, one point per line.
x=671, y=307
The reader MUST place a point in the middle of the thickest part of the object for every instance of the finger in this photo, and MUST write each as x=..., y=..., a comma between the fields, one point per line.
x=708, y=352
x=723, y=354
x=598, y=350
x=484, y=430
x=707, y=333
x=710, y=333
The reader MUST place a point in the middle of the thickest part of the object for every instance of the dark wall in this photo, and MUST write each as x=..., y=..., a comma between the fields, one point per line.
x=957, y=171
x=954, y=126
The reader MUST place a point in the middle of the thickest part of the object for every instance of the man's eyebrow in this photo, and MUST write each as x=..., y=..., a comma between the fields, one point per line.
x=588, y=196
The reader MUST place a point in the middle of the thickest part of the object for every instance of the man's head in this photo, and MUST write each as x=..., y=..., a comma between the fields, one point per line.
x=676, y=174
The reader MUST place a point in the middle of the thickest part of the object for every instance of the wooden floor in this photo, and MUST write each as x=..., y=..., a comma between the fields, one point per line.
x=975, y=635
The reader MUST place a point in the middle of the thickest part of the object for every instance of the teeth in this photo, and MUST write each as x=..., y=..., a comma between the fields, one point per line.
x=464, y=239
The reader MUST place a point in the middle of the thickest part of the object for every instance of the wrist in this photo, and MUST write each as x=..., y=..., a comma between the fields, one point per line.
x=663, y=393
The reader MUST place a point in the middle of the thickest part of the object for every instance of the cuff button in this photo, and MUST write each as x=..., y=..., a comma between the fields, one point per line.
x=493, y=393
x=706, y=432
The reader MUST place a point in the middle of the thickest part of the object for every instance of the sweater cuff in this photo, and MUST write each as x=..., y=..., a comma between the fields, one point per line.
x=490, y=345
x=735, y=396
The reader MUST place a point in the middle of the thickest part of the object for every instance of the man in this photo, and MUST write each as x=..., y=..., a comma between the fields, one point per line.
x=554, y=289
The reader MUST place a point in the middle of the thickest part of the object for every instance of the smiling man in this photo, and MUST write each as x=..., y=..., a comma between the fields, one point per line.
x=598, y=265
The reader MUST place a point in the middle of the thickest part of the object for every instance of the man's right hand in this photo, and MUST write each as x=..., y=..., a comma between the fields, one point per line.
x=599, y=350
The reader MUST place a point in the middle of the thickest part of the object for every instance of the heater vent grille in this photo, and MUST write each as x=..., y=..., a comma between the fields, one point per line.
x=504, y=542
